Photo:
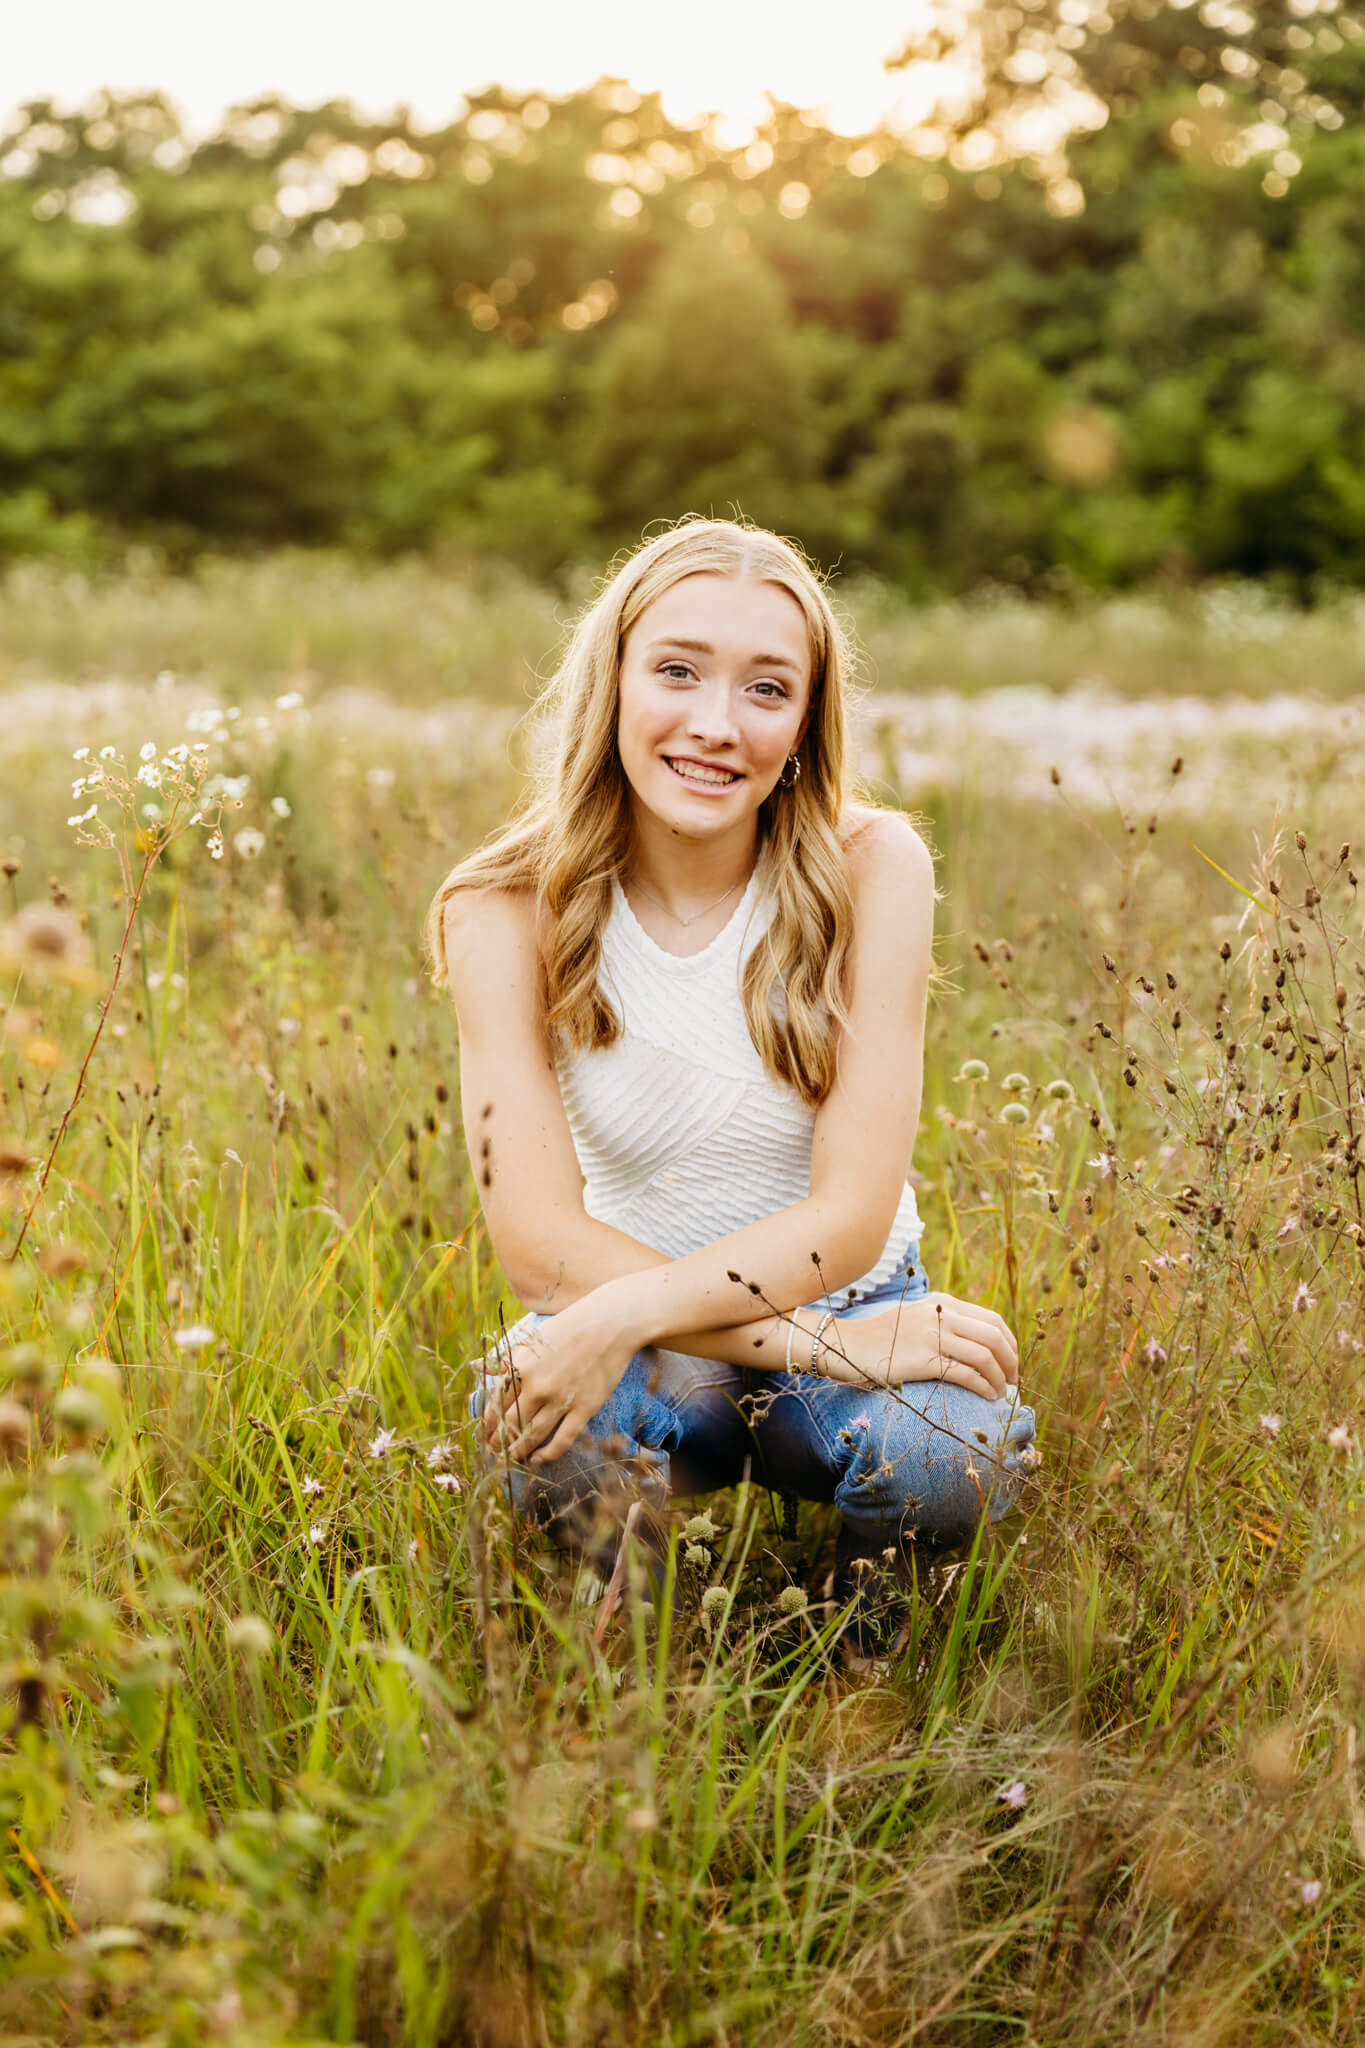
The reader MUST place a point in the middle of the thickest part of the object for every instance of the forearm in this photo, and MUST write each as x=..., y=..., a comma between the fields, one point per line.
x=715, y=1297
x=592, y=1255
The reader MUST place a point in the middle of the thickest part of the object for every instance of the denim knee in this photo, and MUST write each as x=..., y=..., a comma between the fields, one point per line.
x=933, y=1460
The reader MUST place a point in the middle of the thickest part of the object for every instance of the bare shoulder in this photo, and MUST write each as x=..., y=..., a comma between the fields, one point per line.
x=489, y=934
x=885, y=852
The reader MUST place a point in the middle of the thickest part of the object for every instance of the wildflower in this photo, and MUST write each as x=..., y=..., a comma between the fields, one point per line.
x=698, y=1556
x=14, y=1425
x=150, y=775
x=1270, y=1425
x=1060, y=1091
x=1303, y=1299
x=1310, y=1891
x=108, y=753
x=309, y=1485
x=446, y=1481
x=81, y=754
x=1154, y=1353
x=715, y=1606
x=1044, y=1132
x=439, y=1454
x=701, y=1529
x=147, y=751
x=1016, y=1083
x=974, y=1070
x=382, y=1442
x=194, y=1338
x=214, y=842
x=861, y=1421
x=250, y=1634
x=317, y=1532
x=1014, y=1796
x=1014, y=1113
x=280, y=805
x=1339, y=1438
x=792, y=1600
x=290, y=701
x=1102, y=1164
x=248, y=842
x=412, y=1551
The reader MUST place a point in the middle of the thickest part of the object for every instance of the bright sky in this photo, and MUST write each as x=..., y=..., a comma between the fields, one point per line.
x=713, y=55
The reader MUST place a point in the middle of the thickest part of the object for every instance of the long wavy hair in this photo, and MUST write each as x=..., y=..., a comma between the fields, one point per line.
x=570, y=834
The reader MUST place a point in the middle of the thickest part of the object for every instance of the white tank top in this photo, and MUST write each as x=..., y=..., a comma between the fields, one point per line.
x=681, y=1134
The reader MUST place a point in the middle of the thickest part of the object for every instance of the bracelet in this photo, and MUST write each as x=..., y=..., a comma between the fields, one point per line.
x=817, y=1341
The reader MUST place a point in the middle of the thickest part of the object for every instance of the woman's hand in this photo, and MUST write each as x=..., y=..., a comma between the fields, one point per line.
x=935, y=1338
x=557, y=1378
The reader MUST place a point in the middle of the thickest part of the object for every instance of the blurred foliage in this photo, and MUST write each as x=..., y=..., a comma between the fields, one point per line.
x=984, y=351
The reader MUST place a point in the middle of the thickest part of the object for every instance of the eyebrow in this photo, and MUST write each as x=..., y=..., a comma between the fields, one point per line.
x=705, y=647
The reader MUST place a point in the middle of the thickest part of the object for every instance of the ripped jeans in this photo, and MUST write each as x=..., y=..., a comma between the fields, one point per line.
x=920, y=1462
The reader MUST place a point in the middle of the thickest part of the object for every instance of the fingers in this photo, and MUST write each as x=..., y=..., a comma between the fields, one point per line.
x=959, y=1350
x=963, y=1376
x=984, y=1326
x=998, y=1342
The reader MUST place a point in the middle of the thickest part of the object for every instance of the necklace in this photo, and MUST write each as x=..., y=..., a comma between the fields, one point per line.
x=696, y=914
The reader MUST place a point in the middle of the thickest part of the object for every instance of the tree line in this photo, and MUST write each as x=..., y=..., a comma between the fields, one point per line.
x=954, y=356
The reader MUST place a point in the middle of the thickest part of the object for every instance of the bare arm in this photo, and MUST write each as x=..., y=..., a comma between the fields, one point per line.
x=555, y=1255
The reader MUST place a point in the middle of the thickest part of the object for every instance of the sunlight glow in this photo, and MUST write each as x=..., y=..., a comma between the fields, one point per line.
x=715, y=58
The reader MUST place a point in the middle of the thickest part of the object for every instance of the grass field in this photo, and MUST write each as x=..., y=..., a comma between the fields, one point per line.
x=306, y=1744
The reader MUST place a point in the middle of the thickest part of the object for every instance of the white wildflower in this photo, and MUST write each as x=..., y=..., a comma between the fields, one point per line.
x=446, y=1481
x=1303, y=1299
x=194, y=1338
x=412, y=1551
x=81, y=754
x=309, y=1485
x=214, y=843
x=1102, y=1164
x=108, y=753
x=1154, y=1353
x=1339, y=1438
x=1271, y=1424
x=280, y=806
x=381, y=1442
x=317, y=1532
x=439, y=1454
x=248, y=842
x=150, y=774
x=1013, y=1796
x=290, y=701
x=147, y=751
x=1310, y=1891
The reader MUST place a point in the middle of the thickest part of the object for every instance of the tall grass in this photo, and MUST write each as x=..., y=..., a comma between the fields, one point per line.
x=306, y=1743
x=423, y=632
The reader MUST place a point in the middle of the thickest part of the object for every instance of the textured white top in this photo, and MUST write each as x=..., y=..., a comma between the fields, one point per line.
x=681, y=1134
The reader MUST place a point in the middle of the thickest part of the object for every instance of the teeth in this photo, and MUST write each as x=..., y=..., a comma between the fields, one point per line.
x=691, y=773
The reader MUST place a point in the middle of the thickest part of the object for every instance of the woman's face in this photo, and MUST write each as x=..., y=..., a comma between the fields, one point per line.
x=715, y=693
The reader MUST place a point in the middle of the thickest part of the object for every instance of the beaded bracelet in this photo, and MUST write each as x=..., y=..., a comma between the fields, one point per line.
x=817, y=1341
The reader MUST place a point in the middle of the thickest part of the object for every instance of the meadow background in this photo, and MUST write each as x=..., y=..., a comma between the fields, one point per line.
x=302, y=1741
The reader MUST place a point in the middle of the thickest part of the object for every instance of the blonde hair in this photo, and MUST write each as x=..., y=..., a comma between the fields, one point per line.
x=569, y=835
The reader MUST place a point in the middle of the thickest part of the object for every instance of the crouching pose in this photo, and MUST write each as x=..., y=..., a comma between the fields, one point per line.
x=690, y=977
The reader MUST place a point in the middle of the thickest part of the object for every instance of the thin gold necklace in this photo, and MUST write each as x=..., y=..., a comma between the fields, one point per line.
x=697, y=915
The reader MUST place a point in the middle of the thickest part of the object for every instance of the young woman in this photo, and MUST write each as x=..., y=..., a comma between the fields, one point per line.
x=690, y=977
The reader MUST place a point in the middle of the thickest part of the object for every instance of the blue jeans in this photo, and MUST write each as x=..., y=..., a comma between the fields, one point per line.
x=920, y=1462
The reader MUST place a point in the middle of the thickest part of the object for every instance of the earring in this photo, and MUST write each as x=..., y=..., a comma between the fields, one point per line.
x=785, y=781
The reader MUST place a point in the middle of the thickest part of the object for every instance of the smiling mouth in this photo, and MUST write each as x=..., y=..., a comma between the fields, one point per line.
x=702, y=778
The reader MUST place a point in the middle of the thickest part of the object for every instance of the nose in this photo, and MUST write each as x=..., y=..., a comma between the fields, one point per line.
x=711, y=717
